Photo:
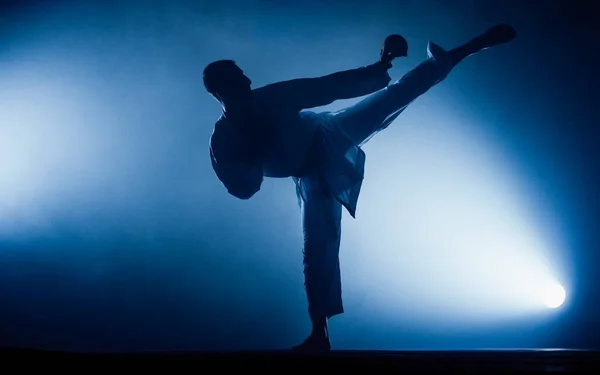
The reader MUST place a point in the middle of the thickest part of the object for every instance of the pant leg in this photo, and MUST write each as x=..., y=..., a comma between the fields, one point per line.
x=321, y=224
x=376, y=112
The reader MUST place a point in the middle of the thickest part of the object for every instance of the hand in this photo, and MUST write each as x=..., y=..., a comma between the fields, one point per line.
x=393, y=46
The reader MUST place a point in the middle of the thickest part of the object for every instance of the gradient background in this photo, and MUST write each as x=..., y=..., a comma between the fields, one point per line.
x=115, y=235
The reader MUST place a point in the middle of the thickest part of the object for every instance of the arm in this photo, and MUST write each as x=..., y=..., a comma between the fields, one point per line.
x=315, y=92
x=236, y=165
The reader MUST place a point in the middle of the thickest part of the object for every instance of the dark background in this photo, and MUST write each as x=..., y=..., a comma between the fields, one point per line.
x=116, y=235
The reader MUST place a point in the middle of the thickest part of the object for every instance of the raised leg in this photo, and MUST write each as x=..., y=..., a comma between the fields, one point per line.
x=376, y=112
x=368, y=117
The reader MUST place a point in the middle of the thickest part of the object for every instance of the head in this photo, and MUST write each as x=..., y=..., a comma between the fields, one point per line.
x=225, y=81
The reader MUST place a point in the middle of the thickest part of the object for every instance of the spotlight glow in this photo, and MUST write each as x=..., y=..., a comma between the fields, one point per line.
x=554, y=296
x=455, y=215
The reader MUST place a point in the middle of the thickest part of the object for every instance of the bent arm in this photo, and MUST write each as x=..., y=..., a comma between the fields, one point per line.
x=315, y=92
x=238, y=168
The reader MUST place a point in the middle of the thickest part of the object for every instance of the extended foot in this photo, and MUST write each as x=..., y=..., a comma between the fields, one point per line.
x=314, y=343
x=498, y=34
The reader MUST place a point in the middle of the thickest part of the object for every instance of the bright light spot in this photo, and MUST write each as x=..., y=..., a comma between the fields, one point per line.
x=554, y=296
x=444, y=210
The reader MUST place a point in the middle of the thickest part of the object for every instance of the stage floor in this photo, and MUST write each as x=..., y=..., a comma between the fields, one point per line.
x=459, y=362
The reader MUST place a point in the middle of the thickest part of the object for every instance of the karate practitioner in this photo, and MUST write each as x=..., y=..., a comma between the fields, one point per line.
x=267, y=132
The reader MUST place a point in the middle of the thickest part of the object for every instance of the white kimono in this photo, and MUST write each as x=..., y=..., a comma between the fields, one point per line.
x=321, y=151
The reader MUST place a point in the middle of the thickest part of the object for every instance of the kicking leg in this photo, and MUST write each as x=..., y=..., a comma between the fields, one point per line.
x=321, y=223
x=498, y=34
x=368, y=117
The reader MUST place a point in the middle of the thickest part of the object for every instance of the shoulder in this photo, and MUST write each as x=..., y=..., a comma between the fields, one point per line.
x=280, y=96
x=273, y=92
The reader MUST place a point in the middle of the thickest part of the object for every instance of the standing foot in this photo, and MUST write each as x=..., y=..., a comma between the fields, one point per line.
x=314, y=344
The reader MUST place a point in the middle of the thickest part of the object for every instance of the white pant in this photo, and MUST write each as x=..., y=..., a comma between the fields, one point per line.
x=321, y=212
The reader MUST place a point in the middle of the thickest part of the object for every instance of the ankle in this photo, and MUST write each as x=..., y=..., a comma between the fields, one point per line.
x=319, y=332
x=462, y=52
x=319, y=328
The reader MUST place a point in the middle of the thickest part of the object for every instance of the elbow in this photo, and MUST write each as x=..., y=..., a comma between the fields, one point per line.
x=242, y=184
x=244, y=193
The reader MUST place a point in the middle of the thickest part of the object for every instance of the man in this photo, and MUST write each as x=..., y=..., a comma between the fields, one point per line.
x=265, y=132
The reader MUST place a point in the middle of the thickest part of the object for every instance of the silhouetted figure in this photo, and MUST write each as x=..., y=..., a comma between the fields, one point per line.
x=265, y=132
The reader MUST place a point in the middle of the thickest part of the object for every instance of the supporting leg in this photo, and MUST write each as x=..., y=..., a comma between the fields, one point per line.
x=321, y=222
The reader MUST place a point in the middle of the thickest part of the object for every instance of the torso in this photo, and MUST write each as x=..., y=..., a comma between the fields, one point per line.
x=289, y=135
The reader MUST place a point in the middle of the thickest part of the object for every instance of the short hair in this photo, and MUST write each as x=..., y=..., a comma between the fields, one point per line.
x=215, y=73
